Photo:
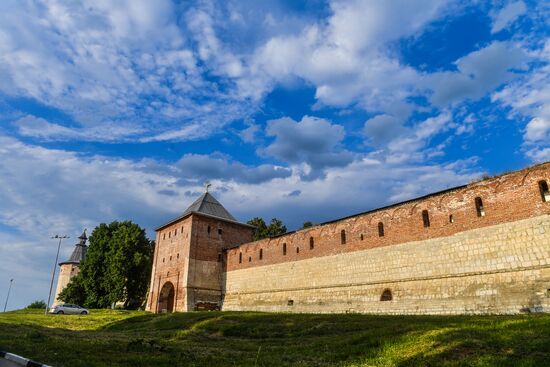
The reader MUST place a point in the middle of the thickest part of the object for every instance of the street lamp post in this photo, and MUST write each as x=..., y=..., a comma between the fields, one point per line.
x=53, y=272
x=8, y=296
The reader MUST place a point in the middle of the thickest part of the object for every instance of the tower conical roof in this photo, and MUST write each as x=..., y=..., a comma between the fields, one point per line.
x=207, y=204
x=79, y=252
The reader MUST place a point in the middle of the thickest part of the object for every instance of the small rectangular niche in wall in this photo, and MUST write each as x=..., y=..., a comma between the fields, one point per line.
x=380, y=229
x=343, y=237
x=240, y=257
x=311, y=243
x=544, y=192
x=284, y=248
x=425, y=218
x=290, y=302
x=261, y=254
x=479, y=207
x=451, y=219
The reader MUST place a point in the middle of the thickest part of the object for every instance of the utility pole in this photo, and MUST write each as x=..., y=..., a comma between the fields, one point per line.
x=53, y=272
x=8, y=296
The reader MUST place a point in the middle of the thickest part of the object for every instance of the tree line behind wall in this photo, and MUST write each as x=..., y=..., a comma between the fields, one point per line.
x=117, y=268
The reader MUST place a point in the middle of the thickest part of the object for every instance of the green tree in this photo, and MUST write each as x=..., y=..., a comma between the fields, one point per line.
x=307, y=224
x=74, y=292
x=117, y=268
x=275, y=228
x=261, y=228
x=130, y=260
x=94, y=269
x=37, y=304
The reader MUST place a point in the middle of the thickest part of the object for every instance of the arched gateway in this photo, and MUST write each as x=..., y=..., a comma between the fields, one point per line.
x=166, y=299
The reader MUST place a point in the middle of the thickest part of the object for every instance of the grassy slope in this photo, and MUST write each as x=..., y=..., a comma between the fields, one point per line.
x=118, y=338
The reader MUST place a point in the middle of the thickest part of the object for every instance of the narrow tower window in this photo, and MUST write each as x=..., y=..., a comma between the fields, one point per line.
x=208, y=229
x=297, y=250
x=544, y=192
x=261, y=254
x=425, y=218
x=380, y=229
x=284, y=248
x=451, y=219
x=479, y=207
x=220, y=231
x=343, y=237
x=311, y=243
x=240, y=257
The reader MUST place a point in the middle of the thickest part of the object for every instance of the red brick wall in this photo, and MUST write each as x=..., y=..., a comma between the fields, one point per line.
x=170, y=262
x=506, y=198
x=191, y=258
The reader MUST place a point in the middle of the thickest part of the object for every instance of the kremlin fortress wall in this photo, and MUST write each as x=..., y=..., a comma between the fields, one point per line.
x=479, y=248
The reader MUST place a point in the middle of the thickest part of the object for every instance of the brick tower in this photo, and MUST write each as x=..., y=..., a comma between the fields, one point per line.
x=71, y=267
x=190, y=257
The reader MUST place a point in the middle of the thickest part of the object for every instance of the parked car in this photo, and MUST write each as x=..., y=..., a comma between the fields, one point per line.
x=70, y=309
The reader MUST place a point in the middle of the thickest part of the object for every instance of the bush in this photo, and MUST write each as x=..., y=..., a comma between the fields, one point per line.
x=37, y=304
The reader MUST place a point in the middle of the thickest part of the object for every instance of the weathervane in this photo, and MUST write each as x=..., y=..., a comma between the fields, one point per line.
x=207, y=185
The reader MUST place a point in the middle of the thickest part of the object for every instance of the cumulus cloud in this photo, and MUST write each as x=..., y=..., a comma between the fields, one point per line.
x=529, y=96
x=382, y=129
x=507, y=15
x=477, y=73
x=106, y=64
x=313, y=141
x=538, y=129
x=346, y=58
x=216, y=166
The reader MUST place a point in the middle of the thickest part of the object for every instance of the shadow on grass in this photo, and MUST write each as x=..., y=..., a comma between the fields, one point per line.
x=265, y=339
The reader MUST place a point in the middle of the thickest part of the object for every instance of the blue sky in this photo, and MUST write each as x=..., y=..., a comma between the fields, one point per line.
x=305, y=111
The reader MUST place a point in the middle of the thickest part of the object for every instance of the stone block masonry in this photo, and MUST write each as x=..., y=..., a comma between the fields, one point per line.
x=499, y=269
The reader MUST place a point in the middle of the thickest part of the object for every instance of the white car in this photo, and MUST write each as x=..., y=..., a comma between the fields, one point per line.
x=69, y=309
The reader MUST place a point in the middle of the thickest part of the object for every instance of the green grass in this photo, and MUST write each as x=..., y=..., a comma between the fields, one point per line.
x=121, y=338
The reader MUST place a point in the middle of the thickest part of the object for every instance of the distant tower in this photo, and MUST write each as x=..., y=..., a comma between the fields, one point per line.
x=71, y=267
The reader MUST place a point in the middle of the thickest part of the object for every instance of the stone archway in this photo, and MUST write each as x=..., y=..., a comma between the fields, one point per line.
x=166, y=298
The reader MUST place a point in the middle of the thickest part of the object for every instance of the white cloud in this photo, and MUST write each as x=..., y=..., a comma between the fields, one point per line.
x=105, y=64
x=312, y=141
x=382, y=129
x=217, y=166
x=38, y=127
x=478, y=73
x=507, y=15
x=529, y=97
x=538, y=129
x=346, y=58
